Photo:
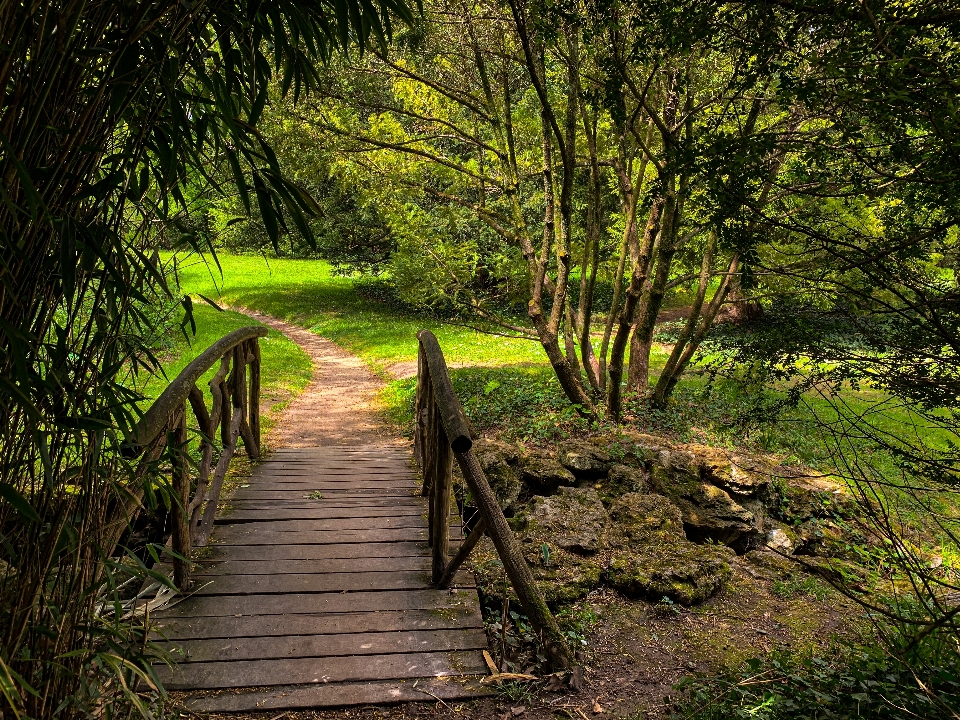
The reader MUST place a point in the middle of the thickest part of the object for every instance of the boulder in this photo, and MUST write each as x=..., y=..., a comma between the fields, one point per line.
x=561, y=576
x=620, y=480
x=801, y=499
x=542, y=471
x=779, y=541
x=496, y=451
x=709, y=512
x=641, y=447
x=736, y=473
x=500, y=463
x=573, y=519
x=650, y=556
x=584, y=459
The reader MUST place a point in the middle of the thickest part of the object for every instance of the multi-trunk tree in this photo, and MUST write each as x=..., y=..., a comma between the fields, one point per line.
x=527, y=151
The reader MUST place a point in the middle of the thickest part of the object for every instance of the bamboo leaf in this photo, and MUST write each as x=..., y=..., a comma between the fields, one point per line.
x=9, y=493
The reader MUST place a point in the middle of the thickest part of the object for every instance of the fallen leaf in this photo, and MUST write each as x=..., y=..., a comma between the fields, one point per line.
x=518, y=710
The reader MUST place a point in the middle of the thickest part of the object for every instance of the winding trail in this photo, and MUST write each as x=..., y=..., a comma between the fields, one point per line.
x=338, y=406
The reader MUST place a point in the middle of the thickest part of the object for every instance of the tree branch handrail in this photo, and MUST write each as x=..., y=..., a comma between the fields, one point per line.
x=235, y=411
x=443, y=433
x=154, y=420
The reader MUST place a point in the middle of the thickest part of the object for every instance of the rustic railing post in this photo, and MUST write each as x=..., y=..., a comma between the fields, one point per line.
x=232, y=400
x=180, y=508
x=429, y=434
x=255, y=393
x=466, y=547
x=448, y=434
x=440, y=502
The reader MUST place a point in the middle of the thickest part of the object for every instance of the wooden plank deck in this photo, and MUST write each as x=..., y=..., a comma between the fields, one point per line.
x=315, y=592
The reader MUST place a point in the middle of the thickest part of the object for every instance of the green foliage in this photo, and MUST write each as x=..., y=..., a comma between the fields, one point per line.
x=859, y=682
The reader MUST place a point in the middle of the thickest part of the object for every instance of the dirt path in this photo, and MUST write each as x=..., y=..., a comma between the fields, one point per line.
x=338, y=406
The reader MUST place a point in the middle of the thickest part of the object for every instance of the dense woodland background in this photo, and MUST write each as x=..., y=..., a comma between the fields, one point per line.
x=785, y=176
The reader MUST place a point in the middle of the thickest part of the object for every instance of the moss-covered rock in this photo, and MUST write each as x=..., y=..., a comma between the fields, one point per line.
x=584, y=459
x=500, y=463
x=650, y=556
x=737, y=473
x=542, y=472
x=687, y=574
x=622, y=479
x=709, y=512
x=573, y=519
x=800, y=500
x=561, y=576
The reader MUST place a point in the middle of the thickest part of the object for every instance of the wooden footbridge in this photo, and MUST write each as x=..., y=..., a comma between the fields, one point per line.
x=327, y=578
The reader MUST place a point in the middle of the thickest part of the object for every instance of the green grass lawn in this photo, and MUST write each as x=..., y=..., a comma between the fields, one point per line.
x=307, y=293
x=505, y=384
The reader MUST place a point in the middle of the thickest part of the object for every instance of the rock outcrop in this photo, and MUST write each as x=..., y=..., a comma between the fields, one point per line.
x=500, y=462
x=584, y=459
x=573, y=519
x=543, y=472
x=653, y=518
x=652, y=558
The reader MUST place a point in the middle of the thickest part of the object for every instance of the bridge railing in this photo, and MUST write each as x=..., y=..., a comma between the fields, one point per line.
x=235, y=413
x=443, y=436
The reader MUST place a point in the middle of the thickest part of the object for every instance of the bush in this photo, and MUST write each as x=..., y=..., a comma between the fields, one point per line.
x=866, y=682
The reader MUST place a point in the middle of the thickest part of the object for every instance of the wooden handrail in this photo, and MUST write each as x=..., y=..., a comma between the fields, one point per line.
x=154, y=420
x=235, y=411
x=442, y=434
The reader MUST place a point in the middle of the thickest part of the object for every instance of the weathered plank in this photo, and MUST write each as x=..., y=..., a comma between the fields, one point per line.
x=254, y=514
x=314, y=552
x=317, y=646
x=380, y=496
x=175, y=628
x=295, y=671
x=341, y=694
x=340, y=481
x=295, y=603
x=269, y=469
x=271, y=510
x=328, y=582
x=379, y=522
x=249, y=534
x=339, y=565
